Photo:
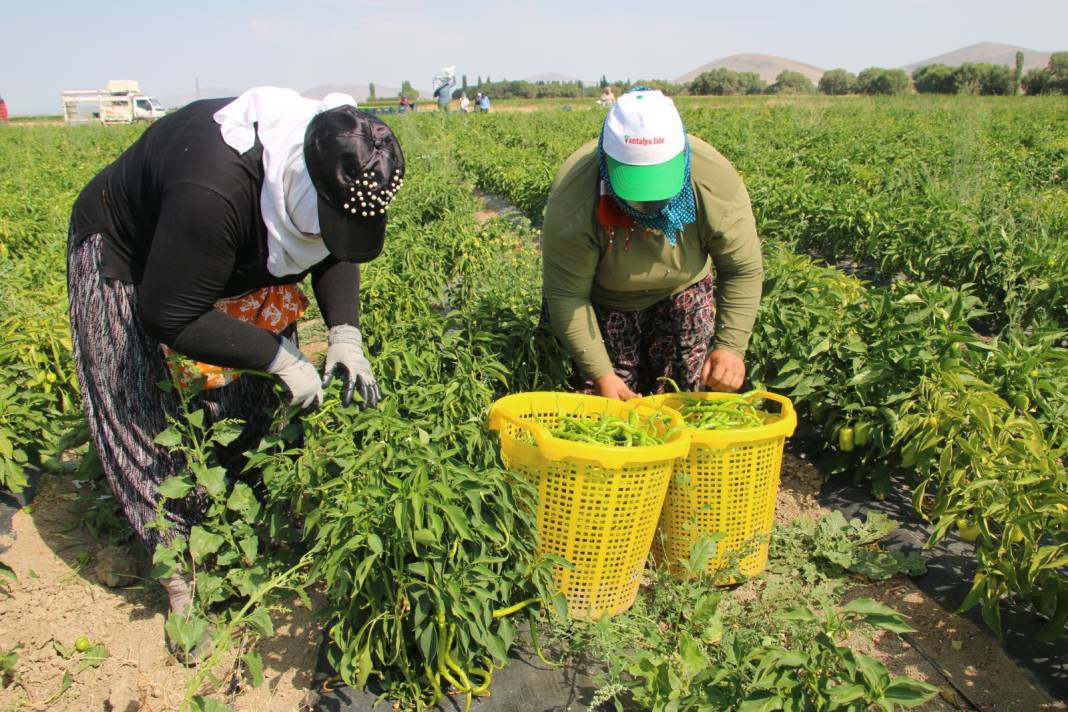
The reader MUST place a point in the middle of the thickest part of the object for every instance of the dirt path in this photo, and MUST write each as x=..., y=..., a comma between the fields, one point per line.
x=59, y=596
x=947, y=650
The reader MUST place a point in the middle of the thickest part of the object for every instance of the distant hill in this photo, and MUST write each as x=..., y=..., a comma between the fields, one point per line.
x=766, y=65
x=177, y=101
x=991, y=52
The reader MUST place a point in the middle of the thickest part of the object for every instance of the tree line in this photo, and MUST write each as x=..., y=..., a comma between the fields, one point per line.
x=969, y=78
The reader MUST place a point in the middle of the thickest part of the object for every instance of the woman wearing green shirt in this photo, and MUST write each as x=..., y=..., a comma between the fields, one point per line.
x=641, y=228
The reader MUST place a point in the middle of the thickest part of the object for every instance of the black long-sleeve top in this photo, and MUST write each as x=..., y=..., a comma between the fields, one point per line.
x=179, y=212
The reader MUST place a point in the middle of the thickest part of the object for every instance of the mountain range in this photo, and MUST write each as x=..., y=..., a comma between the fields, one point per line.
x=769, y=66
x=991, y=52
x=766, y=65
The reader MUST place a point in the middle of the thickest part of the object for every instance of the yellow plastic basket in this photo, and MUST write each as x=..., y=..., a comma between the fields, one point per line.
x=727, y=484
x=598, y=505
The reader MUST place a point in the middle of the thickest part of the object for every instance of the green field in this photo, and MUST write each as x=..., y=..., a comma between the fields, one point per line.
x=916, y=257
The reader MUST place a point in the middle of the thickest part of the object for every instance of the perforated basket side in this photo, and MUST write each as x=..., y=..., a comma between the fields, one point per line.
x=732, y=491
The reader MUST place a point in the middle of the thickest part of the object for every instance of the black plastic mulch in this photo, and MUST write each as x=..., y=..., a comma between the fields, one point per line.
x=950, y=570
x=526, y=684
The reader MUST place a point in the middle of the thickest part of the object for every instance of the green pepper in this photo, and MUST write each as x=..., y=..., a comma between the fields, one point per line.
x=846, y=439
x=862, y=433
x=966, y=530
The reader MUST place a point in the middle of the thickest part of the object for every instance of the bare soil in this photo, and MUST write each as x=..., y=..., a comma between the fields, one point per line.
x=946, y=650
x=60, y=594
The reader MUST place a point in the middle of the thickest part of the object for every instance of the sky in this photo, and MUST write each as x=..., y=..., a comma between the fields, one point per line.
x=228, y=44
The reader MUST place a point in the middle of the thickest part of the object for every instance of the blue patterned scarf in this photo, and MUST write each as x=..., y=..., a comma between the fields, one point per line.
x=673, y=217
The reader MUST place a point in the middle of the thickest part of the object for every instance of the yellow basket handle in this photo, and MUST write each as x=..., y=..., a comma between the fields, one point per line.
x=496, y=415
x=783, y=427
x=788, y=413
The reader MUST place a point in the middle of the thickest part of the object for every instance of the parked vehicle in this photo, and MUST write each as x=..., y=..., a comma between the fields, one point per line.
x=121, y=103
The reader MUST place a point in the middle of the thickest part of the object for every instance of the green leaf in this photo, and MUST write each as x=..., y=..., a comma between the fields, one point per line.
x=249, y=548
x=374, y=543
x=165, y=559
x=760, y=701
x=202, y=542
x=497, y=648
x=893, y=623
x=867, y=607
x=226, y=432
x=363, y=667
x=185, y=632
x=506, y=631
x=169, y=438
x=458, y=521
x=7, y=572
x=819, y=348
x=790, y=658
x=247, y=580
x=244, y=501
x=694, y=659
x=844, y=695
x=63, y=650
x=94, y=657
x=908, y=692
x=874, y=672
x=213, y=479
x=8, y=660
x=63, y=687
x=801, y=615
x=207, y=704
x=260, y=622
x=713, y=630
x=560, y=606
x=254, y=663
x=196, y=419
x=175, y=487
x=210, y=588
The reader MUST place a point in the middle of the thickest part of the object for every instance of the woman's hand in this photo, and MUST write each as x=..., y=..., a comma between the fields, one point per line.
x=345, y=357
x=723, y=370
x=298, y=376
x=612, y=386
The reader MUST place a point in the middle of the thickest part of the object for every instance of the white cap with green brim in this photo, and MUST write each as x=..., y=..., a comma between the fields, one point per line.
x=645, y=147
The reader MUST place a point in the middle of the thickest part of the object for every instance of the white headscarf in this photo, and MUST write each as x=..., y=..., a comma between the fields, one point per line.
x=288, y=201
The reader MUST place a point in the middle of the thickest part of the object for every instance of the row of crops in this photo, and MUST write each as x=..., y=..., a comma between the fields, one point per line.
x=402, y=518
x=967, y=202
x=953, y=192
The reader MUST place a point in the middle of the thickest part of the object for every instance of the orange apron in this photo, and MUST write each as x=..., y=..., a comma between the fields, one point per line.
x=271, y=308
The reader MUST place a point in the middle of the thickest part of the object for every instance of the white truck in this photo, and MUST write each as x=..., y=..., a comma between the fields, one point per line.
x=121, y=103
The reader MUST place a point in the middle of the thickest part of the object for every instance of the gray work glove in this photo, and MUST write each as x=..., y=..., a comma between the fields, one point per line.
x=298, y=375
x=345, y=356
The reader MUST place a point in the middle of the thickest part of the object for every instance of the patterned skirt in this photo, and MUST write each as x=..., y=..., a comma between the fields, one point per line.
x=671, y=338
x=119, y=366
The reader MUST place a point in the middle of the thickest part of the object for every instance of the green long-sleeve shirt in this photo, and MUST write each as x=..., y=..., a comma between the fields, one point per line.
x=631, y=269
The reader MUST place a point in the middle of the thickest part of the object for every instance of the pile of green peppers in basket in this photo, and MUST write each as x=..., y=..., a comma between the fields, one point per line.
x=613, y=430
